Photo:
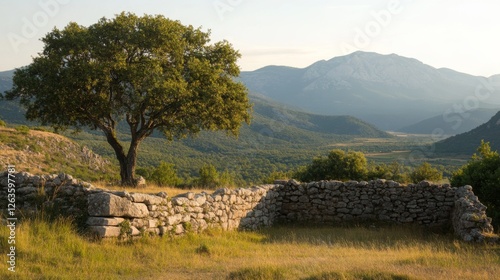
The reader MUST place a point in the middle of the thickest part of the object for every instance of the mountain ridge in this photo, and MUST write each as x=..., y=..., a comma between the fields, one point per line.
x=452, y=123
x=467, y=143
x=389, y=91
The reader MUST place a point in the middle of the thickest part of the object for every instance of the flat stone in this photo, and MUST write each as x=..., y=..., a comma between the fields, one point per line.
x=105, y=231
x=101, y=221
x=25, y=190
x=134, y=231
x=148, y=199
x=109, y=205
x=180, y=200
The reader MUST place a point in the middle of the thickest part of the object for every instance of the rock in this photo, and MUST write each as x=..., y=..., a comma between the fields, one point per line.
x=293, y=183
x=162, y=194
x=110, y=205
x=180, y=200
x=147, y=199
x=140, y=182
x=134, y=231
x=101, y=221
x=105, y=231
x=26, y=190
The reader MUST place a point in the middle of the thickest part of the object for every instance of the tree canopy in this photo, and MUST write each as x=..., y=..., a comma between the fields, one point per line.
x=149, y=72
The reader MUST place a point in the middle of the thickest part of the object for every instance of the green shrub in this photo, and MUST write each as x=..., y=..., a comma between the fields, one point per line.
x=226, y=179
x=3, y=123
x=338, y=165
x=276, y=175
x=482, y=172
x=209, y=177
x=425, y=172
x=165, y=175
x=395, y=171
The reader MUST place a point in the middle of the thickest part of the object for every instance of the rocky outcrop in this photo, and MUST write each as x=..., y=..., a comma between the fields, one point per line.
x=120, y=213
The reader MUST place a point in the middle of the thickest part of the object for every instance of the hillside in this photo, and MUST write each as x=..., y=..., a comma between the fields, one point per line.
x=389, y=91
x=451, y=124
x=338, y=125
x=278, y=138
x=266, y=112
x=41, y=152
x=467, y=143
x=6, y=80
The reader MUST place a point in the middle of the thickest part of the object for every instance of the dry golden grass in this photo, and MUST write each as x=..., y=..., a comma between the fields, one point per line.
x=55, y=251
x=151, y=188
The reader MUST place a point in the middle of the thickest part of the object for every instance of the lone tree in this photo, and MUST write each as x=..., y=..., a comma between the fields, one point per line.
x=151, y=72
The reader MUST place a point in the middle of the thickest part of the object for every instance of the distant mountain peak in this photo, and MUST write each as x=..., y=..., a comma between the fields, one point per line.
x=388, y=90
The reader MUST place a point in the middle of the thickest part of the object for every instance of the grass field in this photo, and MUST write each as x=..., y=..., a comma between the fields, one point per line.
x=56, y=251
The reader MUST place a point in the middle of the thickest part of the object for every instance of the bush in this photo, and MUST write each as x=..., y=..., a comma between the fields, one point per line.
x=165, y=175
x=482, y=172
x=211, y=178
x=338, y=165
x=276, y=175
x=395, y=171
x=226, y=179
x=3, y=123
x=425, y=172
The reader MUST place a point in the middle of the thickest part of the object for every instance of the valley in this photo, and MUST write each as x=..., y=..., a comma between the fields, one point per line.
x=361, y=89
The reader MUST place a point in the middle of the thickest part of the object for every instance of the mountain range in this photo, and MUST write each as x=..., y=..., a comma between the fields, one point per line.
x=451, y=124
x=278, y=138
x=389, y=91
x=342, y=97
x=467, y=143
x=267, y=113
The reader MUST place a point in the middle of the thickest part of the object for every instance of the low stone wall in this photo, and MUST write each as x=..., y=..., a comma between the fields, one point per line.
x=119, y=213
x=227, y=209
x=333, y=201
x=60, y=194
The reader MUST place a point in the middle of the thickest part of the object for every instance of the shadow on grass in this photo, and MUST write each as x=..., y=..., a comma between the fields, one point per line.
x=270, y=273
x=367, y=275
x=357, y=235
x=257, y=273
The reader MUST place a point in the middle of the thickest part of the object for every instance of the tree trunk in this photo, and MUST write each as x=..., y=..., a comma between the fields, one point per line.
x=127, y=172
x=129, y=178
x=127, y=162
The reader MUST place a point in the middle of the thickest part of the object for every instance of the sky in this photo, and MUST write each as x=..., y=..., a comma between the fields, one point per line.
x=457, y=34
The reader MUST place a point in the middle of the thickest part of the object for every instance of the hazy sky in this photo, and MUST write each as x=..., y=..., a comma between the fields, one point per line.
x=458, y=34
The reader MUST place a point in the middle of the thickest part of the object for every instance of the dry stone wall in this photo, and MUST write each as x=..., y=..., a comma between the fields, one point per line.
x=334, y=201
x=120, y=213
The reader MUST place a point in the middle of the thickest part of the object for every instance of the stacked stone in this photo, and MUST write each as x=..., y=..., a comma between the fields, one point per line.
x=117, y=213
x=61, y=193
x=113, y=214
x=470, y=222
x=328, y=202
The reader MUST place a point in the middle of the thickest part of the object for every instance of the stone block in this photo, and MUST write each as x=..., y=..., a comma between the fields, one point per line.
x=101, y=221
x=109, y=205
x=105, y=231
x=147, y=199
